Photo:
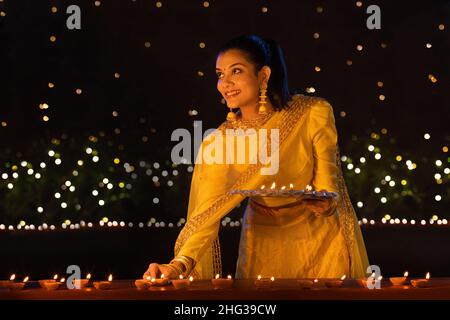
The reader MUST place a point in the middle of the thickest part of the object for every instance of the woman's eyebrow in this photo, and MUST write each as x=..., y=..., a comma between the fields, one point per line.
x=232, y=65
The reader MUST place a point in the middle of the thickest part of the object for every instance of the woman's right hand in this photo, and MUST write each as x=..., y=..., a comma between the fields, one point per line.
x=155, y=270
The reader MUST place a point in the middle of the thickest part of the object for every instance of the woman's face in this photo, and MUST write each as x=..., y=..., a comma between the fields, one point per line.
x=237, y=81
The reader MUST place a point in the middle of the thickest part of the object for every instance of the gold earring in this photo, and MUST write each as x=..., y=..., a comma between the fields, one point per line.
x=231, y=116
x=262, y=100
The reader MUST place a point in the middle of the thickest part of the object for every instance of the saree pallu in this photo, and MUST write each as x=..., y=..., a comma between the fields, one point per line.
x=291, y=242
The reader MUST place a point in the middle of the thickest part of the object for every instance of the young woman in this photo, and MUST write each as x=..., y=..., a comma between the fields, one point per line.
x=285, y=237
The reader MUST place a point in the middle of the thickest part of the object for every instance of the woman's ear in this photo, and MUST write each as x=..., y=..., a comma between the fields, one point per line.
x=265, y=73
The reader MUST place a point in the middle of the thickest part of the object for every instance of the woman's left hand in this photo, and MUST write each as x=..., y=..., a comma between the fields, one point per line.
x=320, y=207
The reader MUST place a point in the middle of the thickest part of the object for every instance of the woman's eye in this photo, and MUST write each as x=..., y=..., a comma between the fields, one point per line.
x=219, y=74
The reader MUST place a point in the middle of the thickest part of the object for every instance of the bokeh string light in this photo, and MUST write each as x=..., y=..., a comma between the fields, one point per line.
x=90, y=176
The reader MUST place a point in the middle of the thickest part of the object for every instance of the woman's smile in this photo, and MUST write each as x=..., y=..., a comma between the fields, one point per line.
x=232, y=94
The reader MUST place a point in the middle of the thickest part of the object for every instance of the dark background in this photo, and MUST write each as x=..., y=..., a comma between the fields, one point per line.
x=158, y=85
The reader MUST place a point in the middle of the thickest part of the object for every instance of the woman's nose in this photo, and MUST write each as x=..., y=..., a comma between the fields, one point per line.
x=226, y=82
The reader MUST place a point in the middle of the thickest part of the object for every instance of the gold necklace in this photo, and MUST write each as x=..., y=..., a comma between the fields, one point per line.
x=245, y=124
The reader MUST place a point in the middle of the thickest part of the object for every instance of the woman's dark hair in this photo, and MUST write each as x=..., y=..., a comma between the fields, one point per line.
x=264, y=52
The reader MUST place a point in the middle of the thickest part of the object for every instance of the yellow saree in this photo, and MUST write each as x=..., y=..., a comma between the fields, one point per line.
x=279, y=236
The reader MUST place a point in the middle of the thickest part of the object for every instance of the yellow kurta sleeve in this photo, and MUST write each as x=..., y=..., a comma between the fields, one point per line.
x=204, y=190
x=210, y=181
x=322, y=131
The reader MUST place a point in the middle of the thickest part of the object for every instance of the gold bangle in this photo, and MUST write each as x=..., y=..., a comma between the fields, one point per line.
x=174, y=267
x=186, y=262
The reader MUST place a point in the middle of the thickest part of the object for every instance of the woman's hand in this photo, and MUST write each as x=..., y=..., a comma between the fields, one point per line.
x=155, y=270
x=321, y=207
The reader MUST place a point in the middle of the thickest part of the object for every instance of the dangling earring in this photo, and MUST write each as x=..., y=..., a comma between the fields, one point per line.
x=231, y=116
x=262, y=100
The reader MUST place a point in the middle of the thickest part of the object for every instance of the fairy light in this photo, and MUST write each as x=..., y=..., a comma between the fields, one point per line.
x=439, y=177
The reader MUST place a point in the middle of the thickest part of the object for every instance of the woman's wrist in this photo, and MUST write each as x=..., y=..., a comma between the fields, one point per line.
x=184, y=264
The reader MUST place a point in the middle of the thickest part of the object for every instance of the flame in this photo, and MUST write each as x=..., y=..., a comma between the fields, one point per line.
x=148, y=278
x=273, y=186
x=283, y=187
x=62, y=280
x=229, y=277
x=380, y=278
x=291, y=186
x=191, y=278
x=153, y=280
x=13, y=277
x=217, y=276
x=110, y=278
x=162, y=276
x=26, y=279
x=316, y=280
x=308, y=187
x=259, y=277
x=88, y=276
x=427, y=276
x=262, y=187
x=55, y=277
x=181, y=277
x=405, y=274
x=343, y=277
x=272, y=278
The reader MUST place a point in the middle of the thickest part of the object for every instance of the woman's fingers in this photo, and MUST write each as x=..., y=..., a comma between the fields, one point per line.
x=152, y=271
x=156, y=270
x=168, y=272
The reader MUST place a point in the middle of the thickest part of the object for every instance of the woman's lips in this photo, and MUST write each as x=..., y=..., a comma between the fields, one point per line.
x=232, y=96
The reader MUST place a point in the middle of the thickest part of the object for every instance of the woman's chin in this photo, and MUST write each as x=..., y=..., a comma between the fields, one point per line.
x=231, y=104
